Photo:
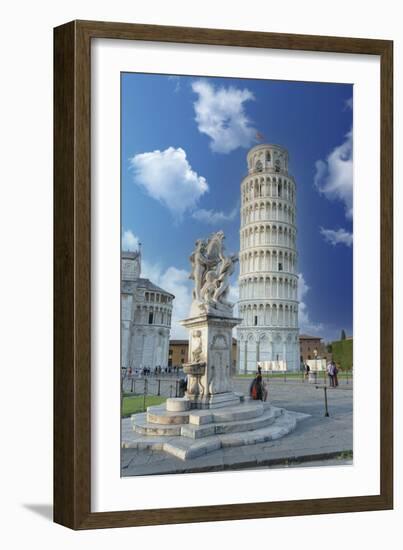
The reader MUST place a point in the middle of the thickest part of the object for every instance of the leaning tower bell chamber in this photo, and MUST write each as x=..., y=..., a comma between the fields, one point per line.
x=268, y=279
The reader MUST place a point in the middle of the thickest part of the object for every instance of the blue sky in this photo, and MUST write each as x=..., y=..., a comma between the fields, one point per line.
x=184, y=146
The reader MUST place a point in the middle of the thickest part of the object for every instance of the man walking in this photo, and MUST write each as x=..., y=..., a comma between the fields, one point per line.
x=330, y=372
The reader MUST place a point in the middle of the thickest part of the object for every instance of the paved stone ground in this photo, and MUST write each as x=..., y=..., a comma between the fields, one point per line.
x=318, y=440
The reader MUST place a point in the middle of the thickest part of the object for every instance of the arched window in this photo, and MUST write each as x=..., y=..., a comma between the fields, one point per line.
x=259, y=166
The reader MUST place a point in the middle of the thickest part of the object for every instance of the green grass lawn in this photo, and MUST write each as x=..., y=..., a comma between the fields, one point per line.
x=133, y=404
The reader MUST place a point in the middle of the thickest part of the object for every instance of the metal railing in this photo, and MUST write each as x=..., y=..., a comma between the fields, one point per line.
x=171, y=386
x=344, y=377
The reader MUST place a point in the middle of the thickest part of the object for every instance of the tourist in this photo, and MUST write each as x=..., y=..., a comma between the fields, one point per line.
x=330, y=372
x=335, y=371
x=307, y=369
x=258, y=391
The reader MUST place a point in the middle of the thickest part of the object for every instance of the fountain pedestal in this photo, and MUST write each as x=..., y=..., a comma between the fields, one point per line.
x=210, y=358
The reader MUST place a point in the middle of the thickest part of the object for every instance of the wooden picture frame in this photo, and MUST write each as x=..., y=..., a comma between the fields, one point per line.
x=72, y=272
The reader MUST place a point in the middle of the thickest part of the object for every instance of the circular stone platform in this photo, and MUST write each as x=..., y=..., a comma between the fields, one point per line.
x=189, y=433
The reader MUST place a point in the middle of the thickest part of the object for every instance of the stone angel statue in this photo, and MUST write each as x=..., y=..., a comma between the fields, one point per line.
x=211, y=270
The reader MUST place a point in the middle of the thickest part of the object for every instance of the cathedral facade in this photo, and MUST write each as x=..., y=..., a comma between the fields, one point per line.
x=146, y=311
x=268, y=280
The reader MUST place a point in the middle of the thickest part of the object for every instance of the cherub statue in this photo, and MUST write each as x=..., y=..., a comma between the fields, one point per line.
x=211, y=270
x=199, y=265
x=227, y=268
x=209, y=288
x=197, y=350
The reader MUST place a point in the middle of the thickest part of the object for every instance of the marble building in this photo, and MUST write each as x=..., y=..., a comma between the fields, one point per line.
x=268, y=280
x=146, y=311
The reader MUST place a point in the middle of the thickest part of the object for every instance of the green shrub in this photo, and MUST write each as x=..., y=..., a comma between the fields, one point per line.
x=342, y=351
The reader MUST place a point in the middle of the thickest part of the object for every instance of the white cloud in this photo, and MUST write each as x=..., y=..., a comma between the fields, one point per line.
x=334, y=176
x=177, y=81
x=177, y=282
x=339, y=236
x=214, y=217
x=306, y=325
x=220, y=114
x=168, y=177
x=130, y=241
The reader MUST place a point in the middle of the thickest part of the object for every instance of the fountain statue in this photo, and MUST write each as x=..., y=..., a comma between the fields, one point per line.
x=211, y=271
x=210, y=325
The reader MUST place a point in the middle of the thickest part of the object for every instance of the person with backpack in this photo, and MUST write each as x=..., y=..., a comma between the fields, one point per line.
x=258, y=390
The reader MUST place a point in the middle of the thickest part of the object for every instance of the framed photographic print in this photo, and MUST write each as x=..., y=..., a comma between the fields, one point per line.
x=223, y=275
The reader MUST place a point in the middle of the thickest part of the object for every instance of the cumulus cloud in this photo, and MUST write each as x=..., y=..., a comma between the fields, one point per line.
x=214, y=217
x=339, y=236
x=130, y=241
x=168, y=177
x=220, y=114
x=305, y=323
x=176, y=281
x=334, y=176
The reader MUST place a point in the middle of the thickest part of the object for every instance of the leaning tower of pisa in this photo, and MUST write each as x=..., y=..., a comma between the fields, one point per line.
x=268, y=280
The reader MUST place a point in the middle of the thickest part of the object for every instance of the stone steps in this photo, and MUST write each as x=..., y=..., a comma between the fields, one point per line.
x=249, y=409
x=238, y=420
x=279, y=423
x=185, y=448
x=159, y=415
x=224, y=427
x=142, y=427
